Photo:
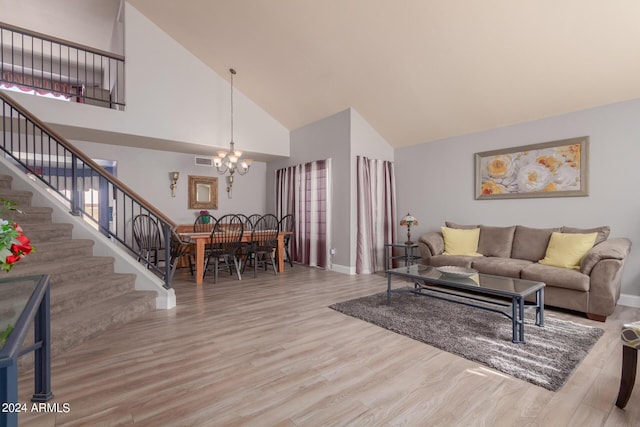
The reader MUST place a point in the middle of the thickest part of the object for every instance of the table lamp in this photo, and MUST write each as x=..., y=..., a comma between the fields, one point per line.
x=408, y=221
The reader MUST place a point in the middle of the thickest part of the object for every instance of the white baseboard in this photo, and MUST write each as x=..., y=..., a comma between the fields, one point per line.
x=629, y=300
x=343, y=269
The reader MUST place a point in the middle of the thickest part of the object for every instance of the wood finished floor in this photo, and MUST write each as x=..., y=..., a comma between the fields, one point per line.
x=269, y=352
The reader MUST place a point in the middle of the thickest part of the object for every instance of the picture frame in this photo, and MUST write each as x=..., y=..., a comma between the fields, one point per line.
x=203, y=192
x=548, y=169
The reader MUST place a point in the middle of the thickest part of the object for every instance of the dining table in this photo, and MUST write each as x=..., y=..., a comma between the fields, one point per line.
x=201, y=239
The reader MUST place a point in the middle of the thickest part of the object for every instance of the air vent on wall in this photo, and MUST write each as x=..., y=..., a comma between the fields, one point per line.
x=204, y=161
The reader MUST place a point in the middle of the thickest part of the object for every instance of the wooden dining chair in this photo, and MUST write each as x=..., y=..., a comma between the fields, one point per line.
x=253, y=219
x=148, y=238
x=179, y=249
x=226, y=237
x=203, y=224
x=248, y=226
x=287, y=223
x=264, y=240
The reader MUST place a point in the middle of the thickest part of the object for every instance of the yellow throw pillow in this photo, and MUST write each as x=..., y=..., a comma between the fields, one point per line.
x=567, y=250
x=461, y=241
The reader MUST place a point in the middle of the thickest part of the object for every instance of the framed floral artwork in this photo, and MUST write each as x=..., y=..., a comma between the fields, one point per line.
x=548, y=169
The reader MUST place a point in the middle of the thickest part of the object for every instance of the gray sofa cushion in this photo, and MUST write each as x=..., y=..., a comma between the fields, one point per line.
x=506, y=267
x=603, y=232
x=460, y=226
x=496, y=241
x=556, y=277
x=531, y=243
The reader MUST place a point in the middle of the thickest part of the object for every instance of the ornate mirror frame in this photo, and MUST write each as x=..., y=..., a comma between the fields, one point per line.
x=203, y=192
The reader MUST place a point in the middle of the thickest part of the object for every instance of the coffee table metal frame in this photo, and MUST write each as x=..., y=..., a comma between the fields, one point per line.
x=428, y=282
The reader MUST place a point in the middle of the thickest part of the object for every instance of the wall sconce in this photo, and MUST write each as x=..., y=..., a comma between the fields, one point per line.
x=174, y=182
x=229, y=184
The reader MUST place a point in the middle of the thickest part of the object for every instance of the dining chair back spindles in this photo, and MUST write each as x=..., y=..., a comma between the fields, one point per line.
x=264, y=240
x=226, y=237
x=204, y=223
x=245, y=221
x=253, y=219
x=179, y=249
x=148, y=238
x=287, y=224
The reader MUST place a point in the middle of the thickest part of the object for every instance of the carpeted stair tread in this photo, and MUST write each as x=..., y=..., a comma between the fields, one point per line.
x=52, y=250
x=29, y=215
x=21, y=198
x=44, y=232
x=74, y=328
x=70, y=295
x=87, y=296
x=67, y=268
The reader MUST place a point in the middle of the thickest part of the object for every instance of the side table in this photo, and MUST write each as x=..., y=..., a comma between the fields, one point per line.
x=406, y=253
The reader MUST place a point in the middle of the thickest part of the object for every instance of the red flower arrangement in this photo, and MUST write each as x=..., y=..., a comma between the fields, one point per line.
x=14, y=245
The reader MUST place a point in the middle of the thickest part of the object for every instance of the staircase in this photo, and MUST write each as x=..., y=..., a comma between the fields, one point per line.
x=87, y=296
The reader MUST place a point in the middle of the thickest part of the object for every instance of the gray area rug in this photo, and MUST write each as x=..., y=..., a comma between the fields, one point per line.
x=547, y=359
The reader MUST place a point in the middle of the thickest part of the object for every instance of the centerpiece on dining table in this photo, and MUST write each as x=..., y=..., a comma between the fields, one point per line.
x=205, y=218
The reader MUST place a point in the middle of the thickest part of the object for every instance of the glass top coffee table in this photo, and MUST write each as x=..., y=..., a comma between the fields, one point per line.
x=504, y=295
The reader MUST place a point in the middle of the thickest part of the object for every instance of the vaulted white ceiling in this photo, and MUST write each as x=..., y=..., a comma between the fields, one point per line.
x=416, y=70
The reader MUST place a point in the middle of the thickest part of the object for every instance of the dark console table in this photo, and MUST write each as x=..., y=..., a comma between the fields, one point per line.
x=23, y=301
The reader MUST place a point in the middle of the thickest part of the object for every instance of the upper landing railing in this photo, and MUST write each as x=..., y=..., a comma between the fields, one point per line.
x=47, y=65
x=85, y=187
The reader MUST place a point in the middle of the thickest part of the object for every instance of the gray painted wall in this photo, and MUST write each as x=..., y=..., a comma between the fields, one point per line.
x=88, y=22
x=147, y=173
x=170, y=95
x=435, y=181
x=326, y=138
x=340, y=137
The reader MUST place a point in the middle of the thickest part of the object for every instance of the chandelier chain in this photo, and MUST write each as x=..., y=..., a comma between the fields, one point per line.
x=232, y=71
x=231, y=161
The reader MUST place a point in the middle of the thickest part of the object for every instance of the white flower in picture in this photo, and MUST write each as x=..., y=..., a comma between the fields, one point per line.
x=533, y=177
x=567, y=178
x=498, y=167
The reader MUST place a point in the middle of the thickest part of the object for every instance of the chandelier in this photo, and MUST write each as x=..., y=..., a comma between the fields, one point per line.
x=230, y=161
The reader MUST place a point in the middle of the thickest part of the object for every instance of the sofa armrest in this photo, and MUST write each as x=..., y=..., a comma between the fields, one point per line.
x=617, y=248
x=430, y=244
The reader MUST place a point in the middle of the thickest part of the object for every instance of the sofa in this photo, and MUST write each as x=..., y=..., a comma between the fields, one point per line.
x=591, y=286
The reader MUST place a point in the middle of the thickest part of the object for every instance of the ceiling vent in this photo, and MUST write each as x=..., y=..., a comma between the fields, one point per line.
x=204, y=161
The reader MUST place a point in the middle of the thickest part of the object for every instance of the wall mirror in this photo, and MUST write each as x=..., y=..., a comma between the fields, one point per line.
x=203, y=192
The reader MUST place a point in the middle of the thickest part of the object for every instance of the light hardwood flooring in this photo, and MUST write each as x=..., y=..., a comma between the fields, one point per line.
x=269, y=352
